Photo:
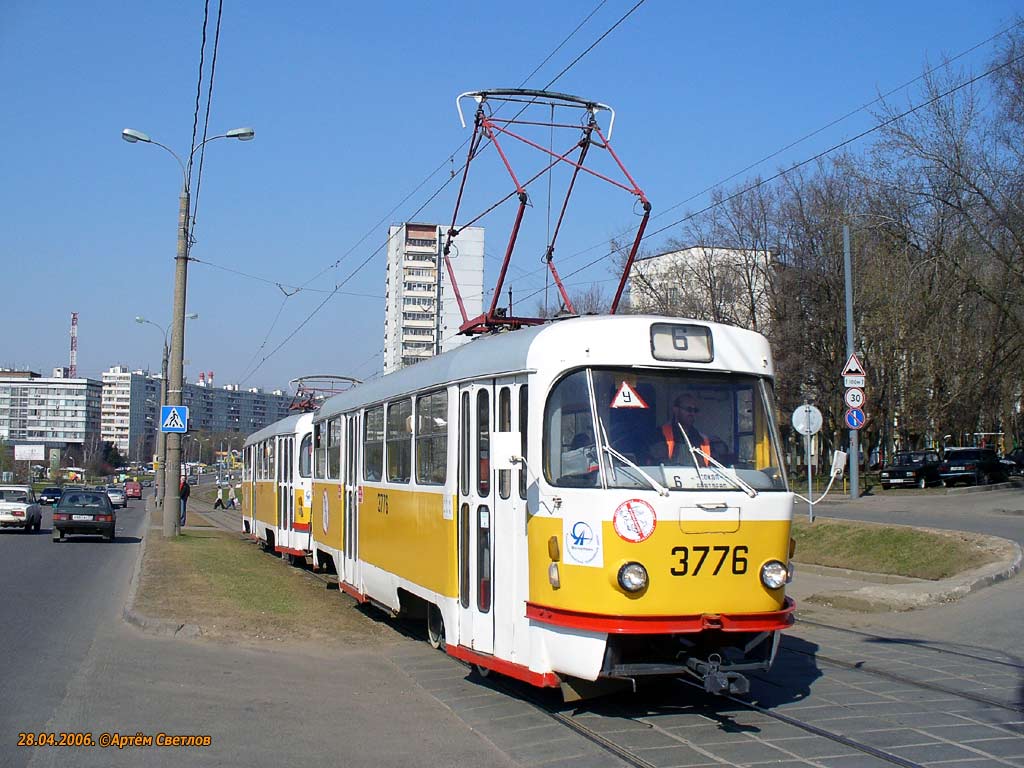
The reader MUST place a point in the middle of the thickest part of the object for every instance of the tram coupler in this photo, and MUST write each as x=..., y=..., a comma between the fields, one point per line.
x=715, y=680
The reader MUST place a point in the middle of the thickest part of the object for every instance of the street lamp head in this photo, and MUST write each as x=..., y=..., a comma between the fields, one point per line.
x=140, y=319
x=242, y=134
x=131, y=136
x=192, y=316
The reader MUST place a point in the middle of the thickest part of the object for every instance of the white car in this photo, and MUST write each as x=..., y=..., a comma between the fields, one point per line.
x=117, y=496
x=18, y=508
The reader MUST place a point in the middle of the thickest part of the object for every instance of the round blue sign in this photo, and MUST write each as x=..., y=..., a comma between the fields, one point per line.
x=855, y=418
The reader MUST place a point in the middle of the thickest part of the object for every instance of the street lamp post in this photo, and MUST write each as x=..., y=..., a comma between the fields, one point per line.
x=172, y=469
x=162, y=440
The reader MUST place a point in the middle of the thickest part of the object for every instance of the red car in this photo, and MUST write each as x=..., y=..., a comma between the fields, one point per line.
x=133, y=490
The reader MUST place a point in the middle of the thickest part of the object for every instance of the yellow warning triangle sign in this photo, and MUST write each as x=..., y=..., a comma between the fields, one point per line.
x=853, y=367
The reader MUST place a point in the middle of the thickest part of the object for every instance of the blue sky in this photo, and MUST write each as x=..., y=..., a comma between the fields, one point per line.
x=353, y=106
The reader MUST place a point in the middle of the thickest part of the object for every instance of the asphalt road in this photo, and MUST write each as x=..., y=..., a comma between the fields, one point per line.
x=55, y=599
x=988, y=620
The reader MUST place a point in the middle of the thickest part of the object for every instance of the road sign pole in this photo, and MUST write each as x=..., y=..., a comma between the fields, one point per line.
x=848, y=280
x=810, y=484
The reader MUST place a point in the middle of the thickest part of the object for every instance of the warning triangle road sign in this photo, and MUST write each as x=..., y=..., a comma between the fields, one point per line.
x=853, y=367
x=627, y=397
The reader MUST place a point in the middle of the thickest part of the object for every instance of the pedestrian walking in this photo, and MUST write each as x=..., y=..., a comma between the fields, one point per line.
x=184, y=491
x=232, y=499
x=219, y=503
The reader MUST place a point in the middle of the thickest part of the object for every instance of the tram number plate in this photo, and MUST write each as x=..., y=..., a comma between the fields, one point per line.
x=690, y=560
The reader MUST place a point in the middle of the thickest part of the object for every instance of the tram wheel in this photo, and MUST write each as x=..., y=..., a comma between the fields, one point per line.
x=435, y=627
x=482, y=671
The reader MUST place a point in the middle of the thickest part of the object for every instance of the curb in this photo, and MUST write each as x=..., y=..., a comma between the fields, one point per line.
x=148, y=624
x=910, y=595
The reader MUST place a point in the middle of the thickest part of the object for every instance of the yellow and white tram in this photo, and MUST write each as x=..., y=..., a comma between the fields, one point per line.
x=277, y=486
x=594, y=499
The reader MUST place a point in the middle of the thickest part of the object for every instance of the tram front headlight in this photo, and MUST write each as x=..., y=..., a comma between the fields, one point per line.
x=774, y=574
x=633, y=577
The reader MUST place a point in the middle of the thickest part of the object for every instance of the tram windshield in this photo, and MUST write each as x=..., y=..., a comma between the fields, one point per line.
x=662, y=430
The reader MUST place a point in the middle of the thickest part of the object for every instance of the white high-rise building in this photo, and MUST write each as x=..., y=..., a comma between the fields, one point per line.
x=52, y=410
x=131, y=405
x=421, y=317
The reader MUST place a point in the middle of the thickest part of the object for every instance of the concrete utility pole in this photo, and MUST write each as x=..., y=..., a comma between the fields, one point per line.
x=848, y=280
x=172, y=469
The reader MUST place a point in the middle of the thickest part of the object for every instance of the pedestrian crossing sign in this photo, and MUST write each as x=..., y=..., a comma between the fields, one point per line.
x=174, y=418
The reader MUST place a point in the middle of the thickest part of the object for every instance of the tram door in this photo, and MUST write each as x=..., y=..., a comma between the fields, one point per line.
x=350, y=478
x=285, y=490
x=476, y=518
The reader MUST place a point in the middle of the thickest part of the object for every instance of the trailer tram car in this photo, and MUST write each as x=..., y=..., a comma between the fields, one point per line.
x=536, y=497
x=277, y=486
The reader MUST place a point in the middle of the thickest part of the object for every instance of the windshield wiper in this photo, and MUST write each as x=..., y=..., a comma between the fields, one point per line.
x=662, y=490
x=743, y=485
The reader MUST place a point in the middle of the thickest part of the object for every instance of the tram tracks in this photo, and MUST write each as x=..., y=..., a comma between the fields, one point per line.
x=867, y=667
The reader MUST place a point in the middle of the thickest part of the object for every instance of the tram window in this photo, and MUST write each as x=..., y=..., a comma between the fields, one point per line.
x=399, y=440
x=432, y=438
x=334, y=448
x=306, y=456
x=483, y=441
x=523, y=412
x=464, y=555
x=505, y=425
x=320, y=449
x=271, y=475
x=483, y=558
x=464, y=450
x=373, y=443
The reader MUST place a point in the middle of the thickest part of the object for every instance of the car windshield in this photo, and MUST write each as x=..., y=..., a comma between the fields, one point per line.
x=14, y=495
x=51, y=490
x=910, y=458
x=84, y=499
x=967, y=455
x=680, y=430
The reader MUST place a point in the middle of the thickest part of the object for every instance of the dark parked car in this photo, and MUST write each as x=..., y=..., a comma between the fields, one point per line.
x=49, y=496
x=972, y=466
x=912, y=469
x=84, y=512
x=1014, y=461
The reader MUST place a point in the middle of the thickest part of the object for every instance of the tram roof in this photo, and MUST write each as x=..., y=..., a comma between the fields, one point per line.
x=285, y=426
x=508, y=353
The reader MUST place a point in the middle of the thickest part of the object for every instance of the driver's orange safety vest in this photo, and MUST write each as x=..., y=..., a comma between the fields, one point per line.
x=670, y=442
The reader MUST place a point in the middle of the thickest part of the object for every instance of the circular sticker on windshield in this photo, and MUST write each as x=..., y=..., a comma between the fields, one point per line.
x=634, y=520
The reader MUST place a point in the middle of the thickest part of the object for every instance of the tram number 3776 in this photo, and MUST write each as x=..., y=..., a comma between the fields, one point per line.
x=688, y=563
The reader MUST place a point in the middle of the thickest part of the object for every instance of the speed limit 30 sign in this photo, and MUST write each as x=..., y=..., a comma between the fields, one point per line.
x=855, y=397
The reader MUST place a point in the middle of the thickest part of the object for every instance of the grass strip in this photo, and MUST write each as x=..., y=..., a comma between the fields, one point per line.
x=226, y=586
x=896, y=550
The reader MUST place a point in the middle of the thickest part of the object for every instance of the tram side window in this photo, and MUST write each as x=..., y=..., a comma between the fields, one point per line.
x=464, y=450
x=464, y=555
x=306, y=456
x=483, y=441
x=523, y=421
x=334, y=448
x=399, y=440
x=432, y=438
x=270, y=460
x=373, y=443
x=505, y=425
x=320, y=449
x=483, y=559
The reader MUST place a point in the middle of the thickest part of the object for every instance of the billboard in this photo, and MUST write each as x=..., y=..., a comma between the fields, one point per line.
x=29, y=453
